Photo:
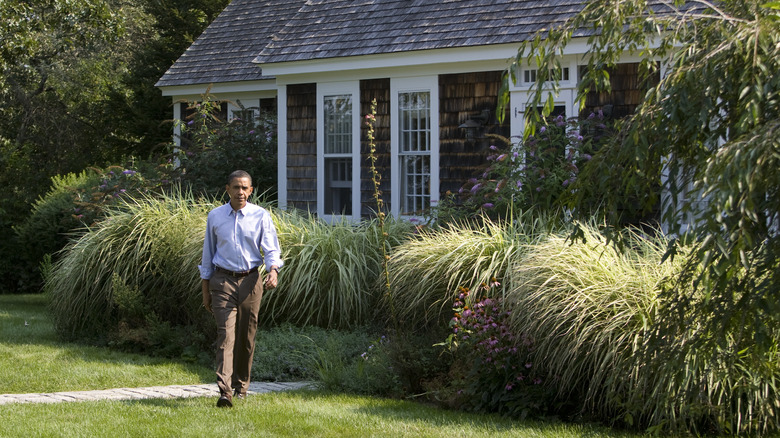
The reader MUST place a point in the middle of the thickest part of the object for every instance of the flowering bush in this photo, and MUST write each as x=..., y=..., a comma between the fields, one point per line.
x=493, y=372
x=76, y=201
x=534, y=173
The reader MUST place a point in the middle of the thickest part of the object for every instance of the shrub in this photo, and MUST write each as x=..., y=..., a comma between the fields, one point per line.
x=74, y=202
x=593, y=312
x=492, y=370
x=367, y=370
x=211, y=148
x=288, y=353
x=532, y=174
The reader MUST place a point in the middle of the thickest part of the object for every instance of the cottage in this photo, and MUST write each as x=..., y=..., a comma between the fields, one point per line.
x=434, y=68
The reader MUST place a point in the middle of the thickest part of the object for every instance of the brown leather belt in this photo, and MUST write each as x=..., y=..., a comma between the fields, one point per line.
x=235, y=273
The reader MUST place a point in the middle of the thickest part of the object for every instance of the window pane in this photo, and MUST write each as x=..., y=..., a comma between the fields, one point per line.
x=416, y=176
x=338, y=186
x=338, y=124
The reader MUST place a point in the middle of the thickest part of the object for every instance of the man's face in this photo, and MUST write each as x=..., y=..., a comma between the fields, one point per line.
x=239, y=190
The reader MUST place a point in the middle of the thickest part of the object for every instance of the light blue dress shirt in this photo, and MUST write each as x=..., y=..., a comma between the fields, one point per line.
x=239, y=241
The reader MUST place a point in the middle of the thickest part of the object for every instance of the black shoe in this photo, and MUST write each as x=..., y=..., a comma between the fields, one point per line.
x=225, y=401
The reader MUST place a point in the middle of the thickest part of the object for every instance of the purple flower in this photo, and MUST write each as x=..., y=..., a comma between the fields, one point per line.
x=488, y=205
x=252, y=131
x=587, y=156
x=190, y=122
x=508, y=387
x=514, y=154
x=493, y=148
x=501, y=157
x=542, y=129
x=475, y=188
x=519, y=184
x=529, y=365
x=129, y=172
x=538, y=189
x=249, y=158
x=565, y=183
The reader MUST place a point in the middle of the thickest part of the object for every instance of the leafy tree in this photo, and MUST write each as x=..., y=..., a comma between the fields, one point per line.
x=55, y=68
x=709, y=134
x=175, y=25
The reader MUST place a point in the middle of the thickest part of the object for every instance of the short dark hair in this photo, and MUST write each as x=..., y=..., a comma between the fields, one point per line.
x=239, y=174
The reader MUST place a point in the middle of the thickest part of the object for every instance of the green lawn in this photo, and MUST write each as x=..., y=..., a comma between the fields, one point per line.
x=290, y=414
x=31, y=360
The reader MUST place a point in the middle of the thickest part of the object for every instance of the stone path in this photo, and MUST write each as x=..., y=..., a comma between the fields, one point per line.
x=173, y=391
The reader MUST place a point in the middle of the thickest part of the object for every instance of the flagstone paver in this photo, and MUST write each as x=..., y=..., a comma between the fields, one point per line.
x=172, y=391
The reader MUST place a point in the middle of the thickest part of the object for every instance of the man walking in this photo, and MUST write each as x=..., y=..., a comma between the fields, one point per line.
x=240, y=237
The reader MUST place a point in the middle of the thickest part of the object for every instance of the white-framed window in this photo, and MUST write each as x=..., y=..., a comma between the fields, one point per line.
x=415, y=145
x=529, y=75
x=338, y=148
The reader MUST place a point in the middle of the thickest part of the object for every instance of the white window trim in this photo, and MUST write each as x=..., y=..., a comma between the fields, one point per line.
x=428, y=84
x=248, y=105
x=351, y=88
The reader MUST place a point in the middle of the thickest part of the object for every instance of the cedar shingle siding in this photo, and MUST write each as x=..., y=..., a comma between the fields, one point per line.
x=462, y=97
x=302, y=147
x=627, y=92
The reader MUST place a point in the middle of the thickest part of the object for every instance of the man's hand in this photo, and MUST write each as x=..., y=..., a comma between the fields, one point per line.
x=271, y=280
x=206, y=295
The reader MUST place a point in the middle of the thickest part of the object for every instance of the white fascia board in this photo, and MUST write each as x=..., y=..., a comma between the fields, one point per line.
x=396, y=64
x=415, y=63
x=267, y=86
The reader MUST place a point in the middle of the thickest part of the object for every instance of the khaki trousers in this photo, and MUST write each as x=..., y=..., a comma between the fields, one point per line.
x=235, y=302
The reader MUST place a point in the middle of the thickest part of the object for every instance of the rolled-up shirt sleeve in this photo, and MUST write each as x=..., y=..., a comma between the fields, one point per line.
x=206, y=265
x=269, y=242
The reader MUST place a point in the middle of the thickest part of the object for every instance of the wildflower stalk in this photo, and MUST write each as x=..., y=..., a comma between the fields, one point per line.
x=376, y=178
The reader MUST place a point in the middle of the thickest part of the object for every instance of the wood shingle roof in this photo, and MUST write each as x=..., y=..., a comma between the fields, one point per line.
x=337, y=28
x=252, y=32
x=225, y=50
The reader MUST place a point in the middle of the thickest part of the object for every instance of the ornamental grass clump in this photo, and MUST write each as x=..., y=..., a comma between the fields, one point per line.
x=147, y=248
x=589, y=307
x=594, y=313
x=427, y=271
x=330, y=273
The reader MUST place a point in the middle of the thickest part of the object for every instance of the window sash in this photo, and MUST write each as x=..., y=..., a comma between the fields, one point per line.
x=415, y=151
x=337, y=154
x=338, y=124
